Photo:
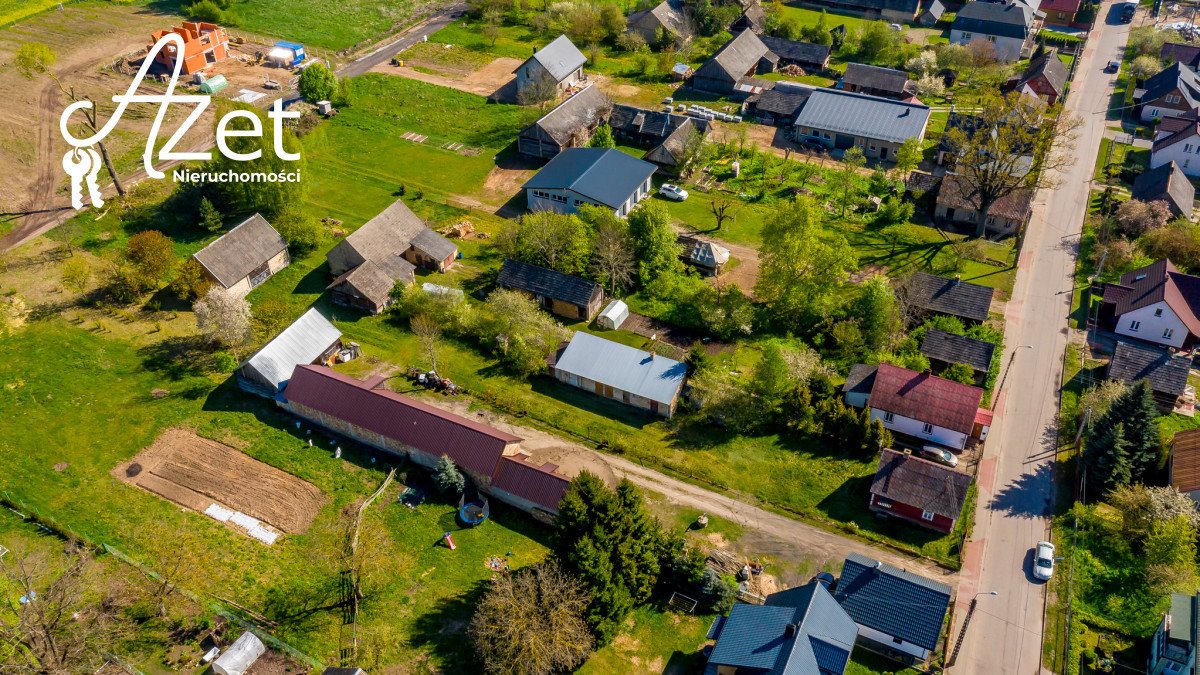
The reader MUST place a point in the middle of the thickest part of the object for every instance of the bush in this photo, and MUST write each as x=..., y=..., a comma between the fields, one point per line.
x=447, y=478
x=224, y=362
x=318, y=83
x=718, y=592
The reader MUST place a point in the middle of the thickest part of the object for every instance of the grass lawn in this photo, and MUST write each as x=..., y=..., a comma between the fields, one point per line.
x=12, y=11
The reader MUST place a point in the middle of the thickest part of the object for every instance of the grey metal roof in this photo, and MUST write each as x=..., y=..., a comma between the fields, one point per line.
x=622, y=367
x=235, y=254
x=737, y=57
x=951, y=348
x=299, y=344
x=877, y=77
x=1184, y=625
x=934, y=11
x=993, y=18
x=1132, y=361
x=547, y=282
x=856, y=114
x=433, y=244
x=1166, y=183
x=1049, y=66
x=605, y=175
x=893, y=601
x=822, y=634
x=560, y=58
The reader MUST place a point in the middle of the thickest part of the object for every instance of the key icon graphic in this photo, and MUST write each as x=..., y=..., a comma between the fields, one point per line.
x=80, y=165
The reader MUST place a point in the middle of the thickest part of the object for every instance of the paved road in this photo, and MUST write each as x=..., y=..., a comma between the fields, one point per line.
x=1015, y=482
x=407, y=39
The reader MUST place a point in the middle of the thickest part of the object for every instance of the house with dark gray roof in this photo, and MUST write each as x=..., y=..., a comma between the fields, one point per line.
x=597, y=176
x=1167, y=184
x=569, y=125
x=890, y=10
x=917, y=490
x=563, y=294
x=1010, y=27
x=808, y=55
x=778, y=106
x=1044, y=79
x=878, y=81
x=1173, y=647
x=953, y=297
x=556, y=67
x=946, y=349
x=369, y=286
x=672, y=155
x=879, y=126
x=666, y=135
x=1173, y=91
x=668, y=19
x=957, y=202
x=895, y=609
x=1167, y=373
x=308, y=340
x=1156, y=303
x=245, y=256
x=800, y=630
x=742, y=57
x=858, y=385
x=635, y=377
x=753, y=18
x=1187, y=54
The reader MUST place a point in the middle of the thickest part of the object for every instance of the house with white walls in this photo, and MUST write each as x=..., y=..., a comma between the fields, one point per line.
x=1156, y=303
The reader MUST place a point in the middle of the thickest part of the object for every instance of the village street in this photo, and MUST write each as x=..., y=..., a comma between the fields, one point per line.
x=1016, y=478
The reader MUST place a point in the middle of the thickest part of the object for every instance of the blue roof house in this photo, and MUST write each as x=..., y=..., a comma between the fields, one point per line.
x=800, y=631
x=597, y=176
x=899, y=611
x=619, y=372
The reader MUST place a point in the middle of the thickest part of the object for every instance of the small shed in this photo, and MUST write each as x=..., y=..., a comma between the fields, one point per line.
x=240, y=656
x=214, y=84
x=613, y=315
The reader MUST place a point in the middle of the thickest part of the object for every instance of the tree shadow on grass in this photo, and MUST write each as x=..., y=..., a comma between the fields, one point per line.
x=178, y=357
x=1030, y=495
x=682, y=663
x=591, y=403
x=442, y=630
x=297, y=604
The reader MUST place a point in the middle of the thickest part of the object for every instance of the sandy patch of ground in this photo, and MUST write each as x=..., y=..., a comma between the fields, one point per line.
x=504, y=182
x=483, y=81
x=194, y=472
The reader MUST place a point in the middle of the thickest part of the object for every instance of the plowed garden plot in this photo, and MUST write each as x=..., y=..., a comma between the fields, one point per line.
x=195, y=472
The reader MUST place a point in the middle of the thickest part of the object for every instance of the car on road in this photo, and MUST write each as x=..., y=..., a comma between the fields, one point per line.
x=1127, y=11
x=1043, y=560
x=673, y=192
x=825, y=579
x=1112, y=67
x=938, y=454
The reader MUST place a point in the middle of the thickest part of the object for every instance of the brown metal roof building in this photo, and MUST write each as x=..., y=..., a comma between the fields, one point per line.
x=917, y=490
x=1185, y=463
x=539, y=486
x=1149, y=303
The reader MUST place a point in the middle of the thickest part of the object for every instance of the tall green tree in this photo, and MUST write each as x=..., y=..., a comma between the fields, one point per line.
x=210, y=217
x=1136, y=410
x=654, y=241
x=846, y=182
x=1107, y=460
x=802, y=268
x=878, y=313
x=908, y=156
x=265, y=197
x=318, y=83
x=559, y=241
x=613, y=544
x=603, y=138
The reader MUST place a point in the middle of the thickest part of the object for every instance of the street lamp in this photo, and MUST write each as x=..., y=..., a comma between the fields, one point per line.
x=986, y=593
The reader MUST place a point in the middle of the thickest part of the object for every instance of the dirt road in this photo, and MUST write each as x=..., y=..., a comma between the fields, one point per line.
x=767, y=533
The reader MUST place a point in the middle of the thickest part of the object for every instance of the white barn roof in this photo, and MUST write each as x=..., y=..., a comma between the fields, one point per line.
x=299, y=344
x=622, y=367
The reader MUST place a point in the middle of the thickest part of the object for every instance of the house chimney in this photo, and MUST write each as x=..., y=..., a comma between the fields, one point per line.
x=790, y=630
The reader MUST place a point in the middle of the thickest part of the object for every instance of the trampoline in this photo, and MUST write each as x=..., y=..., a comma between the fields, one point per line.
x=474, y=510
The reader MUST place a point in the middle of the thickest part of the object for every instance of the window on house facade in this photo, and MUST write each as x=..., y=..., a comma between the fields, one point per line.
x=888, y=417
x=1187, y=147
x=1168, y=333
x=1154, y=112
x=927, y=515
x=1158, y=312
x=541, y=194
x=966, y=37
x=927, y=428
x=559, y=198
x=1134, y=326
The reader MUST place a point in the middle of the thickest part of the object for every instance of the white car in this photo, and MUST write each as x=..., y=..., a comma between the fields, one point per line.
x=938, y=454
x=1043, y=560
x=673, y=192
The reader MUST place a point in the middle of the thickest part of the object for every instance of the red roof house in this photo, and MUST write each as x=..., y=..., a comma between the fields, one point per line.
x=925, y=407
x=523, y=481
x=1156, y=303
x=924, y=492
